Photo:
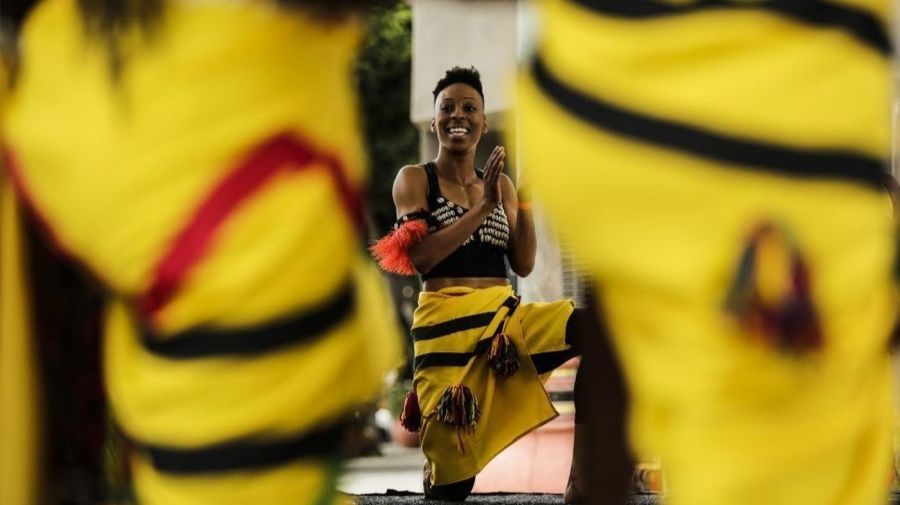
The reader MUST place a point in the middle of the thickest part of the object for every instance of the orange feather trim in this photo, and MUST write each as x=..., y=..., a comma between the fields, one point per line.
x=392, y=251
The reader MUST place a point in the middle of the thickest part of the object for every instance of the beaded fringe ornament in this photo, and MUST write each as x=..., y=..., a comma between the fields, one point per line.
x=392, y=251
x=503, y=357
x=771, y=297
x=458, y=407
x=411, y=417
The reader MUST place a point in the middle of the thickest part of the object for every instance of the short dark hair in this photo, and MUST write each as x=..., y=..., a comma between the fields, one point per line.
x=455, y=75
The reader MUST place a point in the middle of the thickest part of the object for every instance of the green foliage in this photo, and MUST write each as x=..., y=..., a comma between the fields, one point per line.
x=384, y=73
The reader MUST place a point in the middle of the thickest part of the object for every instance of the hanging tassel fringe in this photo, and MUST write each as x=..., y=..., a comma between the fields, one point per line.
x=771, y=296
x=458, y=407
x=411, y=417
x=503, y=357
x=392, y=251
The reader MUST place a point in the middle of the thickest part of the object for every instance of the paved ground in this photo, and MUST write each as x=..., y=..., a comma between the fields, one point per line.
x=398, y=468
x=395, y=478
x=402, y=498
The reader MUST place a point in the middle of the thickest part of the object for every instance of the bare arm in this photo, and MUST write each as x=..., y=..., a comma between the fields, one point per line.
x=522, y=238
x=409, y=194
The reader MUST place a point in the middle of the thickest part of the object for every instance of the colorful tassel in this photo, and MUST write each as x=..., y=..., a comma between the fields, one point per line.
x=392, y=251
x=503, y=357
x=411, y=417
x=771, y=296
x=458, y=407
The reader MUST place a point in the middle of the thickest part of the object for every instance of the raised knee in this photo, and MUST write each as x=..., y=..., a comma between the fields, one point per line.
x=456, y=491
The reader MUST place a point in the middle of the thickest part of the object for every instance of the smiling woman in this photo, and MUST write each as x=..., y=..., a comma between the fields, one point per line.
x=481, y=356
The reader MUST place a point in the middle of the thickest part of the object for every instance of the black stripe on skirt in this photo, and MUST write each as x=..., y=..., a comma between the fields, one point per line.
x=206, y=341
x=246, y=455
x=452, y=326
x=858, y=23
x=543, y=362
x=705, y=143
x=464, y=323
x=451, y=358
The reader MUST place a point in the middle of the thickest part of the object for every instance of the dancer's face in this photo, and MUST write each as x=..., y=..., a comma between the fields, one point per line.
x=459, y=119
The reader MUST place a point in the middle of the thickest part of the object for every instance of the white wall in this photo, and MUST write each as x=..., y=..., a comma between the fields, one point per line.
x=447, y=33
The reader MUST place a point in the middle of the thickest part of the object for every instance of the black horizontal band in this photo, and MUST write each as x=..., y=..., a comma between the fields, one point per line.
x=512, y=303
x=451, y=358
x=746, y=153
x=548, y=361
x=246, y=455
x=452, y=326
x=206, y=341
x=413, y=216
x=543, y=362
x=464, y=323
x=862, y=25
x=460, y=358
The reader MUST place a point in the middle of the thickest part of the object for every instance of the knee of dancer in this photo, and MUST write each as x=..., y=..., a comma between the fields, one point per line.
x=578, y=327
x=457, y=491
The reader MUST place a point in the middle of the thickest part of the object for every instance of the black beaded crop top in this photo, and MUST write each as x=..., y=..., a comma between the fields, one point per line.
x=483, y=253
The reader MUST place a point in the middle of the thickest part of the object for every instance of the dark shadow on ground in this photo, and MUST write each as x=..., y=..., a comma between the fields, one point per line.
x=406, y=498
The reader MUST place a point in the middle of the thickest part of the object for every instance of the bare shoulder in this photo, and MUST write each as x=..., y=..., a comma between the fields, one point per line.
x=508, y=188
x=411, y=178
x=412, y=173
x=410, y=189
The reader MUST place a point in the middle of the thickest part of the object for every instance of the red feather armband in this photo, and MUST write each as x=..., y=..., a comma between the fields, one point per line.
x=392, y=251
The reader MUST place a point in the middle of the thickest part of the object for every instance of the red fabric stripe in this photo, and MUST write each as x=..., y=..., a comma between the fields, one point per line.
x=280, y=152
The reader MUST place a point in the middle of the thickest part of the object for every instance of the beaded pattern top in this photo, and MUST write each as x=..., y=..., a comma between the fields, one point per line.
x=494, y=231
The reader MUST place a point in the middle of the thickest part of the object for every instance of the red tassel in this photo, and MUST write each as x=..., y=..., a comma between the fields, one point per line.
x=411, y=417
x=392, y=251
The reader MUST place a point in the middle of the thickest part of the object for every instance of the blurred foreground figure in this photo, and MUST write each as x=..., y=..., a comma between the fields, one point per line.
x=718, y=167
x=202, y=160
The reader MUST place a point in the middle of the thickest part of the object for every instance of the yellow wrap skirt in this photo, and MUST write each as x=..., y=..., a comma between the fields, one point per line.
x=453, y=330
x=717, y=169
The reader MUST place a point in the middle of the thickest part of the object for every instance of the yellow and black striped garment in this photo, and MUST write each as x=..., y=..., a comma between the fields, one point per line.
x=19, y=382
x=454, y=330
x=212, y=184
x=718, y=168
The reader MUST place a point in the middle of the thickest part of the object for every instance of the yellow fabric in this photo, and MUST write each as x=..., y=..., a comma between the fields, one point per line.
x=719, y=69
x=192, y=403
x=302, y=483
x=510, y=407
x=661, y=232
x=188, y=105
x=19, y=392
x=118, y=164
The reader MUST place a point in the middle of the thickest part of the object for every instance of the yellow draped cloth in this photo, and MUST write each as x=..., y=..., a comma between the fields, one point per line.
x=668, y=140
x=19, y=391
x=212, y=184
x=453, y=329
x=19, y=384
